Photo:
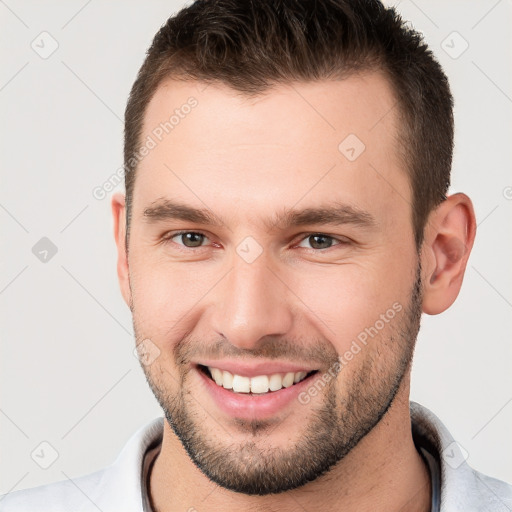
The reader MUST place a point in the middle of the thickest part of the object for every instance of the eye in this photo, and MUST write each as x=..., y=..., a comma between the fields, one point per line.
x=319, y=241
x=189, y=239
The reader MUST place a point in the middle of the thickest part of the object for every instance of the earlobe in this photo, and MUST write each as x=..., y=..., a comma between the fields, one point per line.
x=119, y=217
x=449, y=237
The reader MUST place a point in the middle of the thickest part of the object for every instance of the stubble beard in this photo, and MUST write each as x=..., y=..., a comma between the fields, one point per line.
x=334, y=428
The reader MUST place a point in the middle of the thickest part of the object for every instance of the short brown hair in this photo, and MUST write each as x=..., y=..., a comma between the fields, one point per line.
x=251, y=45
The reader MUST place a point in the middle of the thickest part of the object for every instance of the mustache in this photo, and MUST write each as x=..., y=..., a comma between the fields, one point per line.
x=318, y=352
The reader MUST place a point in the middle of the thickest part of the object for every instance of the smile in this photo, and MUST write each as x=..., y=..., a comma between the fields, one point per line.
x=259, y=384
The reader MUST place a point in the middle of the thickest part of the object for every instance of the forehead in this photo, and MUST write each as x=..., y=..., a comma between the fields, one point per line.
x=359, y=103
x=295, y=142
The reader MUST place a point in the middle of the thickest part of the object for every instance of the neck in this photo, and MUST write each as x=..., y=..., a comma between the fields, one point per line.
x=384, y=472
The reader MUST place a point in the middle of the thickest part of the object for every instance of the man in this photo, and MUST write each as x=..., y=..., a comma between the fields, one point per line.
x=284, y=226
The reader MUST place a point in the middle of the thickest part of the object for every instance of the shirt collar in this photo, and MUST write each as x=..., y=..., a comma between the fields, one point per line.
x=462, y=488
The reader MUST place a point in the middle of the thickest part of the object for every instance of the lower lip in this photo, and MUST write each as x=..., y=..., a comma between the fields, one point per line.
x=248, y=406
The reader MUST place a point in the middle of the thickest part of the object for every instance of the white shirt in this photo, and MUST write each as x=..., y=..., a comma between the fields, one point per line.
x=121, y=487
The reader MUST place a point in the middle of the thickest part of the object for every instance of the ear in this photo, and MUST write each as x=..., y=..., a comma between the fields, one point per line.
x=448, y=240
x=119, y=217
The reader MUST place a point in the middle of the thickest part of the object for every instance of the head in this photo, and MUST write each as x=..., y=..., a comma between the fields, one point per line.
x=254, y=46
x=308, y=165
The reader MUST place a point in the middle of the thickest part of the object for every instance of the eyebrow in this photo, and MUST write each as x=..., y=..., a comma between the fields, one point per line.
x=334, y=214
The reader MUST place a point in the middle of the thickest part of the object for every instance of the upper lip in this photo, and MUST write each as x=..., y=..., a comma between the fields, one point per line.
x=247, y=369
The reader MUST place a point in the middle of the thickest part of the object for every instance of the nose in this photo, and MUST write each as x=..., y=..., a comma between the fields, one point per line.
x=252, y=303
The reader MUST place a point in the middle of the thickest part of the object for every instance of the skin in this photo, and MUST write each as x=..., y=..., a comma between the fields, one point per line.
x=245, y=160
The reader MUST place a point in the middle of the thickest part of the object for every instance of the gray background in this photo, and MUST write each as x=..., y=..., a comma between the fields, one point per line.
x=68, y=375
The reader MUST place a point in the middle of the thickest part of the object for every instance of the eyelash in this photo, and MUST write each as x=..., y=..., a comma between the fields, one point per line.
x=168, y=239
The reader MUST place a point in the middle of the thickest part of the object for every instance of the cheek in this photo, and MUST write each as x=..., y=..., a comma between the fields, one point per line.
x=354, y=301
x=167, y=297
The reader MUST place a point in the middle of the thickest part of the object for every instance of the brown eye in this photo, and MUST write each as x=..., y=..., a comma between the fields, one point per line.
x=319, y=241
x=189, y=238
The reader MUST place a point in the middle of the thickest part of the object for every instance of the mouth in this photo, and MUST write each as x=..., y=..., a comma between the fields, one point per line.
x=265, y=384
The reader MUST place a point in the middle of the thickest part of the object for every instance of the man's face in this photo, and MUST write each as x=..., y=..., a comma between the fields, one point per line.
x=261, y=293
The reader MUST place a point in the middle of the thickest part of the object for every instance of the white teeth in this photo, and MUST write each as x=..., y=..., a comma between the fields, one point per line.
x=275, y=382
x=241, y=384
x=299, y=376
x=227, y=380
x=217, y=375
x=288, y=380
x=258, y=384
